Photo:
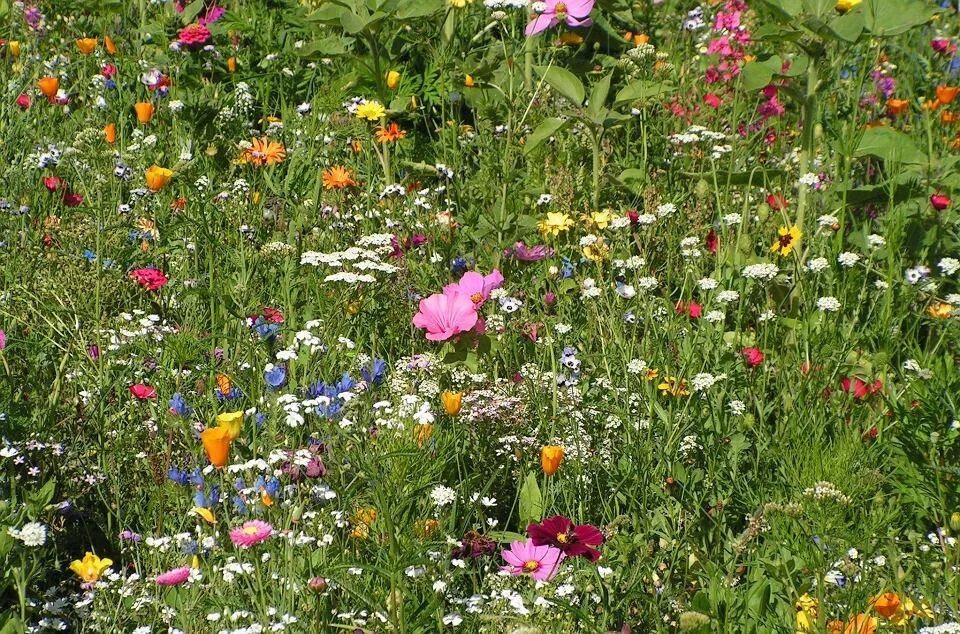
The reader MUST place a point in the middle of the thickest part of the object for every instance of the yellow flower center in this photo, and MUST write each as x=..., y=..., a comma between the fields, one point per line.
x=562, y=538
x=531, y=566
x=250, y=530
x=476, y=298
x=561, y=8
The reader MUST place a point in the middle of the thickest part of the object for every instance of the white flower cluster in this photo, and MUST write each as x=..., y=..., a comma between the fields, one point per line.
x=357, y=262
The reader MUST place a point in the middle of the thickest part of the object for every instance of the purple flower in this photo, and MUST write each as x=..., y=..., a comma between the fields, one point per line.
x=524, y=253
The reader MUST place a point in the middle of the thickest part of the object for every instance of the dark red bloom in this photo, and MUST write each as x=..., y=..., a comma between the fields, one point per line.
x=777, y=202
x=712, y=242
x=474, y=545
x=558, y=531
x=72, y=199
x=939, y=201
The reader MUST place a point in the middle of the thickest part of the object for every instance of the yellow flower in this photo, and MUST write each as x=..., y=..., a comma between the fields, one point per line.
x=940, y=310
x=87, y=45
x=806, y=613
x=393, y=79
x=843, y=6
x=597, y=252
x=423, y=433
x=90, y=567
x=459, y=4
x=157, y=177
x=361, y=521
x=371, y=111
x=787, y=240
x=205, y=513
x=469, y=81
x=232, y=422
x=554, y=223
x=452, y=402
x=650, y=374
x=14, y=47
x=674, y=387
x=600, y=219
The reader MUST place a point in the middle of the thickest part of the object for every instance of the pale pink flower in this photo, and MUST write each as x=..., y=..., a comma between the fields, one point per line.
x=446, y=316
x=174, y=577
x=573, y=12
x=475, y=286
x=524, y=558
x=251, y=533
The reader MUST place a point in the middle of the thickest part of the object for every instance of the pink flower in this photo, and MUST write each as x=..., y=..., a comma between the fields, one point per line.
x=753, y=356
x=573, y=12
x=250, y=533
x=445, y=316
x=23, y=101
x=143, y=392
x=194, y=35
x=3, y=340
x=174, y=577
x=939, y=201
x=149, y=278
x=475, y=286
x=525, y=558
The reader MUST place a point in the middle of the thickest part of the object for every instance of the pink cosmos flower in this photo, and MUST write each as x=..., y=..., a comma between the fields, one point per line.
x=475, y=286
x=573, y=12
x=143, y=392
x=194, y=35
x=174, y=577
x=149, y=278
x=250, y=533
x=445, y=316
x=525, y=558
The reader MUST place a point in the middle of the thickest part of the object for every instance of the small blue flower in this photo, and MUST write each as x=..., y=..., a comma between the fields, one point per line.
x=179, y=407
x=375, y=373
x=275, y=376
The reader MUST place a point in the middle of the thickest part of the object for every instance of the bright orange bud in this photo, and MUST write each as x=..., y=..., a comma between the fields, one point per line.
x=550, y=458
x=87, y=45
x=946, y=94
x=897, y=107
x=216, y=442
x=110, y=133
x=144, y=111
x=109, y=45
x=49, y=86
x=452, y=402
x=232, y=64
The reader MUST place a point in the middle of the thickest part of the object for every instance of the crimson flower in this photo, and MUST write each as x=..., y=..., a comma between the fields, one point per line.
x=143, y=392
x=712, y=242
x=860, y=388
x=574, y=540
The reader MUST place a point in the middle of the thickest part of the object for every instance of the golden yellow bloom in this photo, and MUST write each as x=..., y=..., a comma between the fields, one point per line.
x=232, y=422
x=393, y=79
x=361, y=521
x=144, y=110
x=426, y=527
x=90, y=567
x=14, y=47
x=940, y=310
x=550, y=458
x=157, y=177
x=232, y=64
x=806, y=613
x=423, y=434
x=554, y=223
x=87, y=45
x=600, y=219
x=673, y=386
x=596, y=252
x=452, y=402
x=650, y=374
x=468, y=81
x=371, y=111
x=787, y=240
x=843, y=6
x=569, y=38
x=204, y=513
x=264, y=151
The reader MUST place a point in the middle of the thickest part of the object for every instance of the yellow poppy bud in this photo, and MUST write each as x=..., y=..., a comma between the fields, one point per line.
x=204, y=513
x=452, y=402
x=393, y=80
x=157, y=177
x=468, y=81
x=14, y=47
x=550, y=458
x=232, y=421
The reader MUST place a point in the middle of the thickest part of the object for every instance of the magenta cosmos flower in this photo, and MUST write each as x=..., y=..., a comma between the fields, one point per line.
x=250, y=533
x=573, y=12
x=526, y=558
x=475, y=286
x=174, y=577
x=446, y=316
x=572, y=540
x=520, y=251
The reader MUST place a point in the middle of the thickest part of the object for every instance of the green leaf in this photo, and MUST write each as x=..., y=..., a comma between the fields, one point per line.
x=547, y=128
x=848, y=26
x=505, y=537
x=756, y=75
x=191, y=11
x=418, y=9
x=598, y=97
x=885, y=18
x=643, y=89
x=531, y=500
x=563, y=81
x=324, y=47
x=889, y=145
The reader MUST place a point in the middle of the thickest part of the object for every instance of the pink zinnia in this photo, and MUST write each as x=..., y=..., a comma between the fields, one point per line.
x=149, y=278
x=475, y=286
x=194, y=35
x=525, y=558
x=573, y=12
x=174, y=577
x=446, y=316
x=143, y=392
x=250, y=533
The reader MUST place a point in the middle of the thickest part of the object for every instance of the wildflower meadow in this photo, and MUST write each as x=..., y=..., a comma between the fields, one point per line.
x=481, y=316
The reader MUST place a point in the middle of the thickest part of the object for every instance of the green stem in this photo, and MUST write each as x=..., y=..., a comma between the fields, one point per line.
x=595, y=137
x=808, y=138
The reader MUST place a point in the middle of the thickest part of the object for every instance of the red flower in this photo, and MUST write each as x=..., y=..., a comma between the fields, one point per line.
x=753, y=356
x=712, y=242
x=558, y=531
x=940, y=201
x=777, y=202
x=143, y=392
x=72, y=199
x=693, y=309
x=712, y=100
x=149, y=278
x=23, y=101
x=52, y=183
x=860, y=388
x=273, y=315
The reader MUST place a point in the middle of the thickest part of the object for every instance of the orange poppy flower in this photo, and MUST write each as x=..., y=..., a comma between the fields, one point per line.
x=550, y=458
x=861, y=624
x=946, y=94
x=886, y=604
x=232, y=64
x=87, y=45
x=49, y=86
x=216, y=442
x=110, y=133
x=109, y=45
x=144, y=111
x=897, y=107
x=337, y=177
x=947, y=117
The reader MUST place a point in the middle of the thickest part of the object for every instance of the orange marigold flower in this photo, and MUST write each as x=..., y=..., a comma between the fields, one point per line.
x=392, y=132
x=264, y=151
x=337, y=177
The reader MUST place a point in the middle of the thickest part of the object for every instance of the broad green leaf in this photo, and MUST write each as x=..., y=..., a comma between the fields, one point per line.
x=563, y=81
x=885, y=18
x=641, y=90
x=355, y=22
x=756, y=75
x=785, y=10
x=323, y=47
x=547, y=128
x=848, y=26
x=191, y=11
x=889, y=145
x=418, y=9
x=598, y=97
x=531, y=500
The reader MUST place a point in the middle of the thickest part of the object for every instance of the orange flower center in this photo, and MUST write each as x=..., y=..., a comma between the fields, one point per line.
x=476, y=298
x=561, y=8
x=531, y=566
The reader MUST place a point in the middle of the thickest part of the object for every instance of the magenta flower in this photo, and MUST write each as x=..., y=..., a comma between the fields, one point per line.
x=194, y=35
x=475, y=286
x=526, y=558
x=445, y=316
x=572, y=540
x=250, y=533
x=573, y=12
x=149, y=278
x=174, y=577
x=524, y=253
x=143, y=392
x=3, y=340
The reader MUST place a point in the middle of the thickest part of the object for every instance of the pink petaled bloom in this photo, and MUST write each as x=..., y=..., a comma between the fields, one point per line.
x=446, y=316
x=213, y=14
x=753, y=356
x=250, y=533
x=525, y=558
x=150, y=279
x=3, y=340
x=23, y=101
x=573, y=12
x=174, y=577
x=475, y=286
x=194, y=35
x=143, y=392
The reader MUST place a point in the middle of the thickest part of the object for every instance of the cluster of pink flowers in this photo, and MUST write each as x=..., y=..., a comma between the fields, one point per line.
x=456, y=310
x=729, y=42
